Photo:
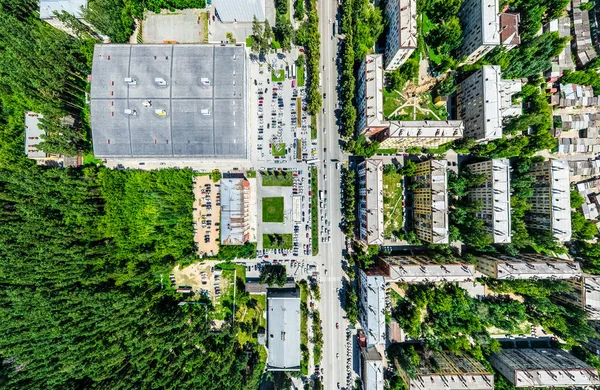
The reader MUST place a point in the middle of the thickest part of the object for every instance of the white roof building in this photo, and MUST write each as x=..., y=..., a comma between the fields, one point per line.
x=231, y=11
x=372, y=306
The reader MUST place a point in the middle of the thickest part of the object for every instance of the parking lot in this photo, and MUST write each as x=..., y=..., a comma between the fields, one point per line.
x=207, y=215
x=201, y=279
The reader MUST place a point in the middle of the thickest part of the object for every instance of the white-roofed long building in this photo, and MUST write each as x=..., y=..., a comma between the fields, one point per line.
x=283, y=329
x=370, y=201
x=494, y=195
x=431, y=201
x=541, y=367
x=480, y=21
x=425, y=134
x=369, y=97
x=235, y=211
x=527, y=266
x=551, y=200
x=585, y=294
x=401, y=40
x=423, y=269
x=232, y=11
x=484, y=100
x=372, y=305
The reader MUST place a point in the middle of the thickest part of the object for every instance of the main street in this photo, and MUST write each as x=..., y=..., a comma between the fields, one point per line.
x=330, y=253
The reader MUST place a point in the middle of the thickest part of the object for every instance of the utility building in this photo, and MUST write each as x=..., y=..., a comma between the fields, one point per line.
x=423, y=269
x=401, y=40
x=370, y=201
x=431, y=201
x=447, y=371
x=169, y=101
x=372, y=305
x=484, y=100
x=551, y=200
x=480, y=21
x=494, y=195
x=283, y=329
x=527, y=266
x=541, y=367
x=235, y=211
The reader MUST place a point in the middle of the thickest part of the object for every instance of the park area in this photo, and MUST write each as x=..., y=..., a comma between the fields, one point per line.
x=277, y=241
x=272, y=209
x=398, y=106
x=392, y=201
x=277, y=178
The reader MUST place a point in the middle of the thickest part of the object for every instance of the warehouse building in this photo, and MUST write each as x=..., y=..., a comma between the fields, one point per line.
x=235, y=211
x=283, y=329
x=169, y=101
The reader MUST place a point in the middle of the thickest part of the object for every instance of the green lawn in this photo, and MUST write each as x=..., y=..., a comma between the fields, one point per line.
x=278, y=149
x=249, y=314
x=249, y=41
x=392, y=203
x=272, y=209
x=277, y=178
x=277, y=75
x=387, y=151
x=300, y=75
x=313, y=127
x=224, y=304
x=277, y=241
x=251, y=174
x=90, y=159
x=391, y=101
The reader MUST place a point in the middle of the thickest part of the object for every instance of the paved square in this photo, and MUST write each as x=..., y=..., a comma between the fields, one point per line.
x=183, y=26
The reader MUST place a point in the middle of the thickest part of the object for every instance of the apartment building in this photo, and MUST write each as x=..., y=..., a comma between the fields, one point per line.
x=372, y=305
x=527, y=266
x=372, y=370
x=431, y=202
x=494, y=195
x=543, y=367
x=423, y=269
x=425, y=134
x=401, y=40
x=370, y=201
x=369, y=97
x=447, y=371
x=585, y=294
x=480, y=20
x=484, y=100
x=551, y=200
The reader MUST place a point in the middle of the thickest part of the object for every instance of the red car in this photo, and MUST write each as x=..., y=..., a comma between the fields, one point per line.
x=337, y=325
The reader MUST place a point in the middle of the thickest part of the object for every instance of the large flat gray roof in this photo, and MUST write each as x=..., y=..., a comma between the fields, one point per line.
x=240, y=10
x=283, y=329
x=73, y=7
x=199, y=111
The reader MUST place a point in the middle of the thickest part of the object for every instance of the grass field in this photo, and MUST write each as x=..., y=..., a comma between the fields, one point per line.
x=249, y=313
x=277, y=75
x=313, y=127
x=277, y=241
x=300, y=75
x=277, y=178
x=278, y=149
x=392, y=203
x=272, y=209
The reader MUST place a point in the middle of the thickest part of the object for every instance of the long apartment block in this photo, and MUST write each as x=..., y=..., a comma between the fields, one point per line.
x=370, y=201
x=585, y=295
x=494, y=196
x=527, y=266
x=551, y=200
x=401, y=40
x=425, y=134
x=372, y=307
x=481, y=28
x=484, y=100
x=423, y=269
x=431, y=202
x=369, y=97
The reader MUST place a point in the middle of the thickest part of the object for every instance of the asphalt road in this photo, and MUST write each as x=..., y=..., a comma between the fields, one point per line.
x=331, y=253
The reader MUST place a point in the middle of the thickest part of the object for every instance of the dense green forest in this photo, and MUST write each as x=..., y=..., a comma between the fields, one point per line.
x=85, y=254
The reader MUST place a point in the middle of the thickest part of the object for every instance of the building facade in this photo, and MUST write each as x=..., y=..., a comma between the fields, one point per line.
x=425, y=134
x=372, y=305
x=541, y=367
x=551, y=200
x=527, y=267
x=431, y=202
x=484, y=99
x=423, y=269
x=447, y=371
x=494, y=196
x=370, y=201
x=585, y=294
x=369, y=97
x=481, y=28
x=235, y=211
x=401, y=40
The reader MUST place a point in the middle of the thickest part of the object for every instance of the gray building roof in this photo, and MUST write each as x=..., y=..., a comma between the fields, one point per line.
x=240, y=10
x=234, y=211
x=283, y=329
x=169, y=101
x=33, y=135
x=543, y=368
x=73, y=7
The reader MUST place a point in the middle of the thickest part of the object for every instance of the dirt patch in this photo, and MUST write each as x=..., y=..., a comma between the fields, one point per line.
x=207, y=215
x=202, y=277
